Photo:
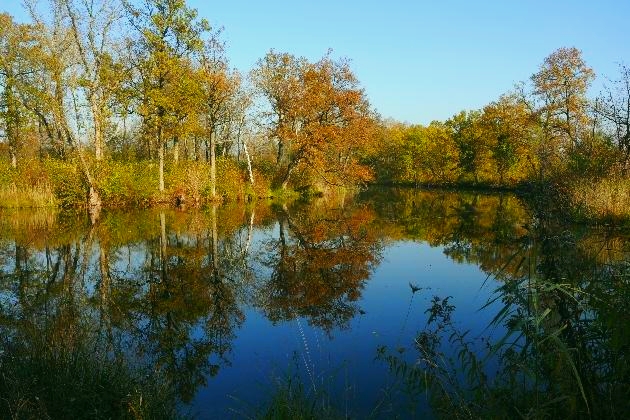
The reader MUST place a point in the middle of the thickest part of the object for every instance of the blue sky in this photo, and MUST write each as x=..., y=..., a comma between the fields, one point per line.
x=424, y=60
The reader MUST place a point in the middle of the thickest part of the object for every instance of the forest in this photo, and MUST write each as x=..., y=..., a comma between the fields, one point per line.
x=122, y=103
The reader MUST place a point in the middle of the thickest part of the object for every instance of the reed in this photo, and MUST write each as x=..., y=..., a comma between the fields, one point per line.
x=604, y=199
x=39, y=196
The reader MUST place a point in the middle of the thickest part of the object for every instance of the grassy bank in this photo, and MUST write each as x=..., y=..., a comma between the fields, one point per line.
x=55, y=183
x=60, y=183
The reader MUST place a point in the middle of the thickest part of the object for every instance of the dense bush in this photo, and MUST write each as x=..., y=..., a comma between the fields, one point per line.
x=68, y=184
x=126, y=184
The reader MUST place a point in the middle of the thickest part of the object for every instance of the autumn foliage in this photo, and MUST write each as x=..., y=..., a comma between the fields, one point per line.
x=318, y=118
x=547, y=133
x=97, y=85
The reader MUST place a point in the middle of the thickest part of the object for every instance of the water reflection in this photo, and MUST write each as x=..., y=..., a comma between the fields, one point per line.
x=164, y=294
x=319, y=263
x=561, y=305
x=167, y=289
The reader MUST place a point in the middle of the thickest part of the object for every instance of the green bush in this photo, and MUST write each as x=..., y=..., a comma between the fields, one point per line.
x=68, y=184
x=126, y=183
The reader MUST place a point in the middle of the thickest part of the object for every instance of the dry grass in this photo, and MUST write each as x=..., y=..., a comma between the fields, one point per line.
x=604, y=199
x=40, y=195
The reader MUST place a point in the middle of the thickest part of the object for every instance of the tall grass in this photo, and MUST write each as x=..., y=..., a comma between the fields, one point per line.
x=559, y=353
x=292, y=401
x=25, y=187
x=607, y=198
x=73, y=381
x=37, y=196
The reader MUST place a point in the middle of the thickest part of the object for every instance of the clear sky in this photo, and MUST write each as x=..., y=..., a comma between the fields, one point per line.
x=424, y=60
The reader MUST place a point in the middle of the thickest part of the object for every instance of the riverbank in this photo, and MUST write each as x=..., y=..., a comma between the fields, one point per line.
x=60, y=183
x=54, y=183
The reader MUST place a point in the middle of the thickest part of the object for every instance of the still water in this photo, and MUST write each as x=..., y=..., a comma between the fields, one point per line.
x=394, y=303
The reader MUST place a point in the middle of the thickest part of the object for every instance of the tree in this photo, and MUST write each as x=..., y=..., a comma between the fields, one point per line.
x=465, y=131
x=91, y=29
x=506, y=125
x=16, y=43
x=614, y=108
x=560, y=88
x=218, y=87
x=440, y=157
x=56, y=91
x=277, y=78
x=169, y=36
x=319, y=118
x=338, y=126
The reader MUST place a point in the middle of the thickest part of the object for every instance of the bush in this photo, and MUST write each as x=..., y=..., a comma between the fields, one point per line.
x=261, y=187
x=126, y=183
x=230, y=179
x=68, y=184
x=187, y=181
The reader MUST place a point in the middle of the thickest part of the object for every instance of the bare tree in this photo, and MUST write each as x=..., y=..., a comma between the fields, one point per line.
x=614, y=108
x=91, y=24
x=59, y=60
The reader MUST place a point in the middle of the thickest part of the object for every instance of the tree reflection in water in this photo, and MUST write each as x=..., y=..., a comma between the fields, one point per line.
x=563, y=309
x=164, y=291
x=153, y=301
x=319, y=265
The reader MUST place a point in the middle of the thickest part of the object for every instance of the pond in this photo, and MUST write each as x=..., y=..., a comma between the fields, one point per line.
x=391, y=304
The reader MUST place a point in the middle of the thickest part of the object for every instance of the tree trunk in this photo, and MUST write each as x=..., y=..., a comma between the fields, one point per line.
x=161, y=160
x=98, y=129
x=280, y=152
x=11, y=121
x=287, y=176
x=215, y=242
x=163, y=246
x=249, y=163
x=106, y=280
x=176, y=150
x=213, y=165
x=94, y=204
x=250, y=231
x=13, y=156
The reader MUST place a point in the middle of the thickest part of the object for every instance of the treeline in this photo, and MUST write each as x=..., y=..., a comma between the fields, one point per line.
x=136, y=102
x=545, y=133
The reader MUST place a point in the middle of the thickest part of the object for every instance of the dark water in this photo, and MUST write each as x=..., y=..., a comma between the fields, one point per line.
x=391, y=304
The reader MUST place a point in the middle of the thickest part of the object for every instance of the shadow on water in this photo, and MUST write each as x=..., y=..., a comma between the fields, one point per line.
x=133, y=316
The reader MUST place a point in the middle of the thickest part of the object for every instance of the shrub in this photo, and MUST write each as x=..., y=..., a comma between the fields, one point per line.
x=230, y=179
x=126, y=183
x=188, y=181
x=68, y=184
